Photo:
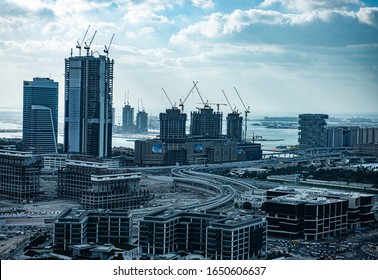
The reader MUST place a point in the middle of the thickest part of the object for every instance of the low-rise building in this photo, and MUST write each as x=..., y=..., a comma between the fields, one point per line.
x=19, y=175
x=97, y=187
x=214, y=236
x=75, y=227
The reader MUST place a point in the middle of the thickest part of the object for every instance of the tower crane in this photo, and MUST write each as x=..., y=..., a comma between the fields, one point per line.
x=246, y=112
x=173, y=105
x=233, y=110
x=205, y=104
x=87, y=47
x=186, y=97
x=218, y=104
x=79, y=45
x=106, y=49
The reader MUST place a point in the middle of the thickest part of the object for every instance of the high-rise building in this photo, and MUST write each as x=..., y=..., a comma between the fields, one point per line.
x=88, y=105
x=234, y=126
x=128, y=119
x=173, y=126
x=40, y=116
x=206, y=123
x=142, y=121
x=312, y=130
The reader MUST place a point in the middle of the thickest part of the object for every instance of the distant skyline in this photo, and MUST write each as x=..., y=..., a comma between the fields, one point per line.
x=283, y=56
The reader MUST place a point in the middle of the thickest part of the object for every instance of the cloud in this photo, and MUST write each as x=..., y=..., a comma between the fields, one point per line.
x=368, y=16
x=311, y=5
x=145, y=16
x=203, y=4
x=218, y=25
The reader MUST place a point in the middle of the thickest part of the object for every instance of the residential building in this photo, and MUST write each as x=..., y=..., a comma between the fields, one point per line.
x=213, y=235
x=172, y=126
x=19, y=175
x=206, y=123
x=360, y=211
x=88, y=119
x=74, y=227
x=127, y=119
x=234, y=126
x=96, y=186
x=142, y=122
x=312, y=130
x=305, y=216
x=40, y=116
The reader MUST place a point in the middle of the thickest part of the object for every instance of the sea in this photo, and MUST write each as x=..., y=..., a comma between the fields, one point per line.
x=269, y=138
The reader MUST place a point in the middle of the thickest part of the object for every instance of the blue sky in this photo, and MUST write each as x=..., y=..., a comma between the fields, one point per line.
x=283, y=56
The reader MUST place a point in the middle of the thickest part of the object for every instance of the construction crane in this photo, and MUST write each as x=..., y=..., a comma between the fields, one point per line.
x=186, y=97
x=87, y=47
x=106, y=49
x=218, y=104
x=79, y=45
x=173, y=105
x=246, y=112
x=233, y=110
x=205, y=104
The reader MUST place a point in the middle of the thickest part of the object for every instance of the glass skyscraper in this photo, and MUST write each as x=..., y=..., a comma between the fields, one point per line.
x=40, y=116
x=88, y=113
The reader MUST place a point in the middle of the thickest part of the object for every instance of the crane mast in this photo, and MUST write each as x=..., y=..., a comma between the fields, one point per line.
x=106, y=49
x=173, y=105
x=79, y=45
x=87, y=47
x=246, y=112
x=186, y=97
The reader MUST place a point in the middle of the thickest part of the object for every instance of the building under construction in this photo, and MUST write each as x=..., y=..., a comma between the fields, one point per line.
x=206, y=123
x=19, y=175
x=95, y=186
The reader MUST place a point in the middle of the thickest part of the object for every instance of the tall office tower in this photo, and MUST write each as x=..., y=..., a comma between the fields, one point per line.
x=128, y=118
x=234, y=126
x=312, y=130
x=40, y=116
x=88, y=105
x=141, y=121
x=19, y=175
x=206, y=124
x=172, y=126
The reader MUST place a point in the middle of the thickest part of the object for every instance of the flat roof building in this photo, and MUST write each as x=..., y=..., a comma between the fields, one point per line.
x=19, y=175
x=75, y=227
x=214, y=236
x=40, y=116
x=88, y=116
x=312, y=130
x=95, y=186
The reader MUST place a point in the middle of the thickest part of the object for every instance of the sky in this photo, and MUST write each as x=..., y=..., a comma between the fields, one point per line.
x=284, y=57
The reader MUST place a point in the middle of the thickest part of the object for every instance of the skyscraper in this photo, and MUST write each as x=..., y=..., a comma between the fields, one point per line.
x=88, y=105
x=206, y=123
x=234, y=126
x=40, y=116
x=128, y=118
x=173, y=126
x=312, y=130
x=142, y=121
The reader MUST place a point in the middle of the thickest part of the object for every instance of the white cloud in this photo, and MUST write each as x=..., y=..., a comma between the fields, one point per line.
x=143, y=16
x=203, y=4
x=311, y=5
x=368, y=16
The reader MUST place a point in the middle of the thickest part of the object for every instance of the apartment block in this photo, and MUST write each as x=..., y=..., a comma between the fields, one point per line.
x=19, y=175
x=96, y=186
x=74, y=227
x=213, y=235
